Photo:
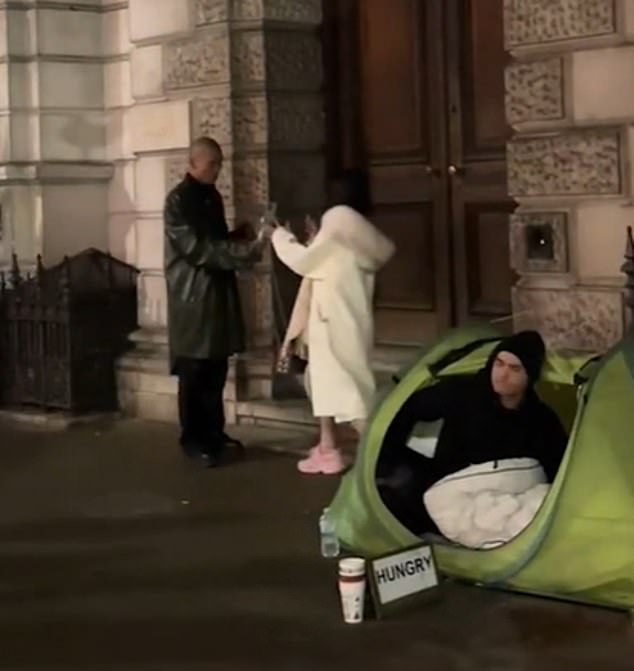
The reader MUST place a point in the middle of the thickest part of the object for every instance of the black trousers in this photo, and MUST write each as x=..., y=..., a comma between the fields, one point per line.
x=405, y=500
x=201, y=384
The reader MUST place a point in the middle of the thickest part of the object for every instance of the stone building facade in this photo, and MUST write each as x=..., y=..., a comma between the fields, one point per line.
x=570, y=100
x=99, y=100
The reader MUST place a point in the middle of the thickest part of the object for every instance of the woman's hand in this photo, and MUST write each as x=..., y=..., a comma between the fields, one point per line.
x=310, y=228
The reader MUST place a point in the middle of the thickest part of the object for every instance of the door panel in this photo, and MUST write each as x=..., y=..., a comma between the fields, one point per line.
x=413, y=289
x=487, y=252
x=393, y=75
x=404, y=145
x=478, y=132
x=483, y=62
x=416, y=95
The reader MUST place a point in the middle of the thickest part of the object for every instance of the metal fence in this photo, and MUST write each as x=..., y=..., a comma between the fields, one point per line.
x=61, y=330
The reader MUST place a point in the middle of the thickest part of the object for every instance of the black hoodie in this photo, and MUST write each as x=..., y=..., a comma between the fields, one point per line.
x=477, y=428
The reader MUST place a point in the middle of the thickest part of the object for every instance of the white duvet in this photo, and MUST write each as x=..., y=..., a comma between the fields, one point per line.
x=488, y=504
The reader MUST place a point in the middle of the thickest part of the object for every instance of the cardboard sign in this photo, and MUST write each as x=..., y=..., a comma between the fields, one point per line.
x=402, y=576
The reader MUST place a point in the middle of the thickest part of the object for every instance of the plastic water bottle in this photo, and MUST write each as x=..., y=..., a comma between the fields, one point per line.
x=328, y=536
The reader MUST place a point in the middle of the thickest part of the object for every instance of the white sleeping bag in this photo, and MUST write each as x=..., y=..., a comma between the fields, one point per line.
x=488, y=504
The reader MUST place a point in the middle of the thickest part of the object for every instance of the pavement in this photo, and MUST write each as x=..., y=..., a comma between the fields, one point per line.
x=116, y=553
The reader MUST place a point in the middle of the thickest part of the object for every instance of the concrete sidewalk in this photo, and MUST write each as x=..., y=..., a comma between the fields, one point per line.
x=115, y=553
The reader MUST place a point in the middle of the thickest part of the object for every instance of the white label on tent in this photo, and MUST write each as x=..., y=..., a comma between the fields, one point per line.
x=404, y=573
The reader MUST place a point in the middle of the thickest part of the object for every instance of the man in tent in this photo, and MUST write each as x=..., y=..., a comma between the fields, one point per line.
x=493, y=415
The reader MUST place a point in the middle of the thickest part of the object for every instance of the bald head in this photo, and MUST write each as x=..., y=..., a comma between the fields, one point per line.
x=205, y=160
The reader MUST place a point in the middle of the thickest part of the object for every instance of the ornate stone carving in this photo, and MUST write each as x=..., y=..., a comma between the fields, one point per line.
x=288, y=11
x=581, y=319
x=556, y=226
x=247, y=57
x=225, y=185
x=248, y=10
x=528, y=22
x=211, y=11
x=212, y=117
x=201, y=59
x=251, y=182
x=534, y=91
x=250, y=121
x=293, y=61
x=574, y=163
x=263, y=299
x=257, y=305
x=293, y=11
x=296, y=122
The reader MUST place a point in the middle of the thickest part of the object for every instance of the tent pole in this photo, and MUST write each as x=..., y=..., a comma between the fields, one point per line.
x=628, y=269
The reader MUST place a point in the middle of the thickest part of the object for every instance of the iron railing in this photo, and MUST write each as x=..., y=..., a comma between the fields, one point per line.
x=61, y=330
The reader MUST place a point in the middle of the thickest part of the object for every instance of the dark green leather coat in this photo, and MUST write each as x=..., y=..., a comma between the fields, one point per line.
x=204, y=313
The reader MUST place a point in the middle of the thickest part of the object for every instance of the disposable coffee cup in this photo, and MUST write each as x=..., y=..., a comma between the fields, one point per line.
x=352, y=588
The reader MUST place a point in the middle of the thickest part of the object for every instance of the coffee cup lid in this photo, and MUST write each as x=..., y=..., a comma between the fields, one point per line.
x=352, y=566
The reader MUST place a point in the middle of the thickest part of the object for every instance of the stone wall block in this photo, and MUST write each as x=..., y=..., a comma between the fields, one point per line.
x=581, y=319
x=198, y=60
x=577, y=163
x=150, y=19
x=160, y=126
x=535, y=91
x=212, y=117
x=529, y=23
x=248, y=67
x=293, y=11
x=257, y=301
x=296, y=121
x=211, y=11
x=293, y=61
x=306, y=12
x=601, y=84
x=250, y=122
x=251, y=185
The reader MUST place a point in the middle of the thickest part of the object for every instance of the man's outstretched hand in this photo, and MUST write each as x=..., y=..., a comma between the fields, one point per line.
x=243, y=232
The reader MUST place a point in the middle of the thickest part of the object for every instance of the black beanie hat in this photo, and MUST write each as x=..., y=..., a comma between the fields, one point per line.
x=529, y=348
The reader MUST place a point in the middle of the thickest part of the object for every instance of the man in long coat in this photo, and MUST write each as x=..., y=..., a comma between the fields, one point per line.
x=205, y=321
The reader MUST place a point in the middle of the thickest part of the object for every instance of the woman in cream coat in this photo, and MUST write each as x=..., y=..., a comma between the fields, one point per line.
x=333, y=314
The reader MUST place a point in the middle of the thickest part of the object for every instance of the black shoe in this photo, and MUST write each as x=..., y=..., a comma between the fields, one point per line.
x=231, y=442
x=210, y=460
x=193, y=449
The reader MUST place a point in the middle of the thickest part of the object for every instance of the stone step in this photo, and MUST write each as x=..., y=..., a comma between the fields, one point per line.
x=145, y=361
x=392, y=358
x=154, y=407
x=148, y=391
x=138, y=371
x=295, y=412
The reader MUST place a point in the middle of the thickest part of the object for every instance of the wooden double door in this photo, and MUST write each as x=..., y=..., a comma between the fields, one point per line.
x=415, y=93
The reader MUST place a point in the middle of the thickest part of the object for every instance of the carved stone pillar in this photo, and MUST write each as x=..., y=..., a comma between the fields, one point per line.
x=570, y=101
x=248, y=73
x=269, y=119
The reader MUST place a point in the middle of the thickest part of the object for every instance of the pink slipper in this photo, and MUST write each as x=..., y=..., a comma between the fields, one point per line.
x=329, y=463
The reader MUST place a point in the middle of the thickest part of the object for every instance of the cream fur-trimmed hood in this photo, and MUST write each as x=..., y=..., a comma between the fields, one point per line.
x=351, y=229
